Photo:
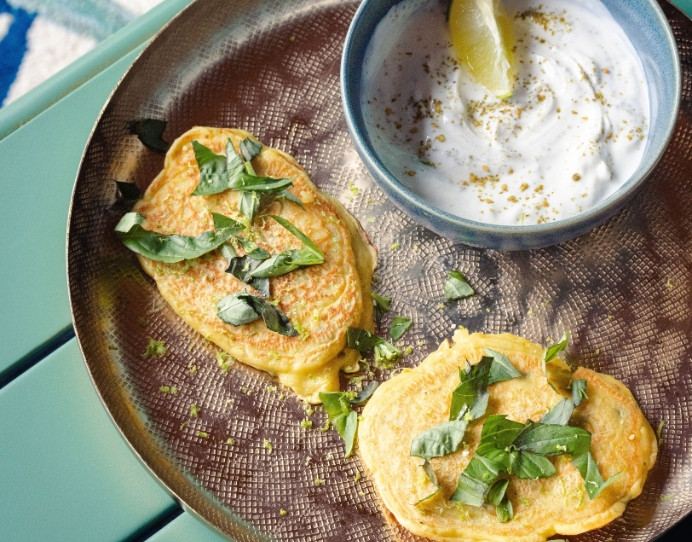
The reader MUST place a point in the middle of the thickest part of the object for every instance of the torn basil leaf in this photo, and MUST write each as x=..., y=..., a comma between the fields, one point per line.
x=550, y=353
x=504, y=510
x=290, y=260
x=471, y=394
x=501, y=368
x=552, y=439
x=341, y=416
x=365, y=393
x=457, y=287
x=440, y=440
x=365, y=342
x=128, y=195
x=593, y=481
x=361, y=340
x=150, y=133
x=400, y=325
x=241, y=267
x=560, y=413
x=578, y=388
x=382, y=305
x=172, y=248
x=497, y=491
x=430, y=473
x=476, y=479
x=386, y=354
x=249, y=149
x=243, y=307
x=219, y=173
x=249, y=205
x=530, y=466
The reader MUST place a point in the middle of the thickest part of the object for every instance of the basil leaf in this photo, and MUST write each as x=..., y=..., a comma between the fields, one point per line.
x=382, y=305
x=129, y=194
x=457, y=287
x=504, y=510
x=252, y=250
x=553, y=439
x=386, y=354
x=497, y=433
x=238, y=308
x=249, y=205
x=169, y=248
x=361, y=340
x=289, y=260
x=440, y=440
x=430, y=473
x=560, y=413
x=550, y=353
x=219, y=173
x=341, y=416
x=593, y=481
x=475, y=480
x=578, y=391
x=150, y=133
x=501, y=368
x=471, y=393
x=427, y=468
x=249, y=149
x=213, y=170
x=530, y=466
x=241, y=267
x=497, y=491
x=365, y=393
x=234, y=309
x=309, y=246
x=473, y=381
x=400, y=325
x=285, y=194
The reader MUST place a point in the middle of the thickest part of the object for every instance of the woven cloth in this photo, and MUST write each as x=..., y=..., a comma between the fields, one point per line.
x=40, y=37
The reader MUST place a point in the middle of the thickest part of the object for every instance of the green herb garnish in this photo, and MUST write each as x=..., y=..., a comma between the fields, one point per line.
x=382, y=305
x=457, y=287
x=243, y=307
x=173, y=248
x=523, y=450
x=128, y=194
x=341, y=416
x=150, y=133
x=469, y=402
x=386, y=354
x=289, y=260
x=400, y=325
x=219, y=173
x=550, y=353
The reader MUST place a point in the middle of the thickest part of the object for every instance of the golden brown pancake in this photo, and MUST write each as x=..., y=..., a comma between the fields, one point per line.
x=321, y=301
x=417, y=399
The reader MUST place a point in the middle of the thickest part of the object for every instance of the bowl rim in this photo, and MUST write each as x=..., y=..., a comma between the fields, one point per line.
x=351, y=74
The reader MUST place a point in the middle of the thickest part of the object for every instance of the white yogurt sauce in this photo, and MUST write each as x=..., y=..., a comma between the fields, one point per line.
x=573, y=131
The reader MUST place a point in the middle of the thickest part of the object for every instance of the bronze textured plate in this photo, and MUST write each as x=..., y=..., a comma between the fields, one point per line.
x=219, y=435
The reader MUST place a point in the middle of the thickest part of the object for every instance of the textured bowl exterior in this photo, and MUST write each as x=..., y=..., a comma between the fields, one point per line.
x=650, y=33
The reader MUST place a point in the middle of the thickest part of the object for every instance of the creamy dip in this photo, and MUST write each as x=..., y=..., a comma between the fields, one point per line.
x=573, y=131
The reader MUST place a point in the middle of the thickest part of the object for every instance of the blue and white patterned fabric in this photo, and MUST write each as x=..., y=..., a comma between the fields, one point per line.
x=40, y=37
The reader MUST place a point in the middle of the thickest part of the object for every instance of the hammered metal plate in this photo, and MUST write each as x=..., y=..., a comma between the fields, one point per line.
x=272, y=67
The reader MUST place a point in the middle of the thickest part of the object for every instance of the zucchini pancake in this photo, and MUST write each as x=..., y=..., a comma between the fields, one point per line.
x=249, y=252
x=494, y=438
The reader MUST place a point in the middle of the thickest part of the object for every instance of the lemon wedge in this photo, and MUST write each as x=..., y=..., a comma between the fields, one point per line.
x=482, y=36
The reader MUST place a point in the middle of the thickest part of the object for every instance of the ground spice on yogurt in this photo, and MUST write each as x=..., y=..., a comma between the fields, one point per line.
x=573, y=131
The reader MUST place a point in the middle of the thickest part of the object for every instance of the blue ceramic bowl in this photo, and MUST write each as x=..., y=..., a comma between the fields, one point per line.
x=649, y=32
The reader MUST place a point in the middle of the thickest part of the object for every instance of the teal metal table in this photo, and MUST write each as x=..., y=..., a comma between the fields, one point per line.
x=65, y=471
